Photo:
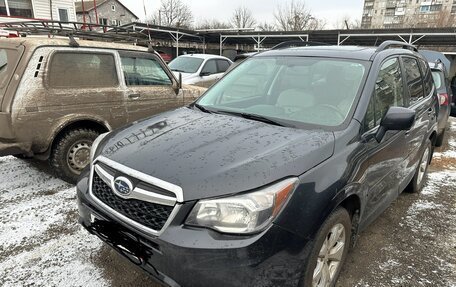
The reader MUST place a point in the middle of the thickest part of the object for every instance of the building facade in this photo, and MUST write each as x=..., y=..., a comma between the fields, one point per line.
x=108, y=12
x=408, y=13
x=20, y=10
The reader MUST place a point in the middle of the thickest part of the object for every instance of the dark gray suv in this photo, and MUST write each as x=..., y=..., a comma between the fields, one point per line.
x=271, y=174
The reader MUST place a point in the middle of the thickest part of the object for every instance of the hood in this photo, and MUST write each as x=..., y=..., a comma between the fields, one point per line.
x=210, y=155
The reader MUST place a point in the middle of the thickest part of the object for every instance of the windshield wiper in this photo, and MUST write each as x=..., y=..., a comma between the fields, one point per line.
x=202, y=108
x=255, y=118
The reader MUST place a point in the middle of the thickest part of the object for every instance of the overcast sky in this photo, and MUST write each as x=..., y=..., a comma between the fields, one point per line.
x=330, y=10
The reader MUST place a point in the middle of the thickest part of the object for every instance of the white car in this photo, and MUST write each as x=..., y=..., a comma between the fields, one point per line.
x=200, y=69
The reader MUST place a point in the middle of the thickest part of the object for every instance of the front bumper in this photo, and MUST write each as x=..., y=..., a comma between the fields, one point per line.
x=185, y=256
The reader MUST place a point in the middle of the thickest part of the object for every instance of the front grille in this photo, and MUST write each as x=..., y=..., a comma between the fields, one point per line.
x=149, y=214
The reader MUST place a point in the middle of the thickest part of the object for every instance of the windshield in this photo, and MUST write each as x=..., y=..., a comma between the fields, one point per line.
x=438, y=79
x=185, y=64
x=289, y=90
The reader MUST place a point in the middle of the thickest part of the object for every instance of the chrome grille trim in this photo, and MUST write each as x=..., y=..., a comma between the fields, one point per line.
x=139, y=194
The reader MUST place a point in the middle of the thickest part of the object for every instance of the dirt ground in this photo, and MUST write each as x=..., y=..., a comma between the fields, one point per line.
x=412, y=244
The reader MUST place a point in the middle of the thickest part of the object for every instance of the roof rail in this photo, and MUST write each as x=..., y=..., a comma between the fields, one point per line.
x=297, y=43
x=387, y=44
x=86, y=31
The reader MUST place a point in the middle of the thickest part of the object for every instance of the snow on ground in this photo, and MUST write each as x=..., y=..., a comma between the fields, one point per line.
x=40, y=241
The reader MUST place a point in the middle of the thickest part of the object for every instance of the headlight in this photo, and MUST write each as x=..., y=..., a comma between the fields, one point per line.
x=95, y=144
x=243, y=214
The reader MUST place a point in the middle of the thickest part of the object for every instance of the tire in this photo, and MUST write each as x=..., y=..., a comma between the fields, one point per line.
x=419, y=178
x=70, y=153
x=439, y=139
x=338, y=219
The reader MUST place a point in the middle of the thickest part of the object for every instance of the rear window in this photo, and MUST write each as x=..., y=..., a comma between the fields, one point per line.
x=438, y=79
x=82, y=70
x=7, y=63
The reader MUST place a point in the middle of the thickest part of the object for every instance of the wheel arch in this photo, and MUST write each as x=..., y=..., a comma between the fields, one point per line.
x=89, y=123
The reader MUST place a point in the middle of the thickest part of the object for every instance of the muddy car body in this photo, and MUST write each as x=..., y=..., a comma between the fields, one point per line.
x=56, y=98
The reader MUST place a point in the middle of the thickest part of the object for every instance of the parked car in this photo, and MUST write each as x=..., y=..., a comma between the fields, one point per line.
x=266, y=179
x=57, y=98
x=165, y=56
x=200, y=69
x=453, y=91
x=443, y=87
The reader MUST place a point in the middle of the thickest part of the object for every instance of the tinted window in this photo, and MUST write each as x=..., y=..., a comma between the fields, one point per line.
x=413, y=77
x=294, y=91
x=185, y=64
x=223, y=66
x=7, y=63
x=427, y=79
x=82, y=70
x=438, y=79
x=389, y=91
x=143, y=72
x=210, y=67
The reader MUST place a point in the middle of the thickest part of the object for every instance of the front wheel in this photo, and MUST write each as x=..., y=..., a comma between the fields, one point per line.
x=421, y=172
x=329, y=251
x=71, y=153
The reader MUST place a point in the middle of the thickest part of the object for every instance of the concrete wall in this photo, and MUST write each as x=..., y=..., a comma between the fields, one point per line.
x=105, y=11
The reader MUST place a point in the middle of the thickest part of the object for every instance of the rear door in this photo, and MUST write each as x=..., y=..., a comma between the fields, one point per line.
x=148, y=85
x=421, y=96
x=385, y=158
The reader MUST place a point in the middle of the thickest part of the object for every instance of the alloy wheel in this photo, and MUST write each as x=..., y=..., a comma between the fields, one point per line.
x=330, y=257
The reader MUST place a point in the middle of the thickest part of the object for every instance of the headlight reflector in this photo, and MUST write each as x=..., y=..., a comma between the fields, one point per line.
x=243, y=214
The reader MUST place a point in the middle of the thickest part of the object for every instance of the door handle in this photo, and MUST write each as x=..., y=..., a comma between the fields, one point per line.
x=134, y=96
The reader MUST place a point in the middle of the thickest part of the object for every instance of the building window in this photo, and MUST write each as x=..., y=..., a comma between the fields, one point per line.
x=113, y=8
x=63, y=15
x=103, y=21
x=114, y=22
x=17, y=8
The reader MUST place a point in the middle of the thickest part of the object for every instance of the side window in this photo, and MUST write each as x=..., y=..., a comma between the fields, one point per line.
x=426, y=71
x=413, y=77
x=389, y=91
x=144, y=72
x=82, y=70
x=223, y=65
x=210, y=68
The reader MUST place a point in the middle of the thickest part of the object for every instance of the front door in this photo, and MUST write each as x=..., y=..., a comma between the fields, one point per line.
x=386, y=159
x=148, y=85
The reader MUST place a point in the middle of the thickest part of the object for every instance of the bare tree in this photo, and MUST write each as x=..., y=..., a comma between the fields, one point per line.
x=267, y=27
x=212, y=24
x=242, y=18
x=346, y=22
x=173, y=13
x=294, y=16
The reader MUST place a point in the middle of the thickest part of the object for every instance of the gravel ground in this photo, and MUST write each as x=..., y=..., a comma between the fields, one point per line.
x=412, y=244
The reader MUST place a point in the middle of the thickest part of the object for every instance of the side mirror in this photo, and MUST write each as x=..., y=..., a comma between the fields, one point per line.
x=177, y=86
x=180, y=80
x=204, y=74
x=396, y=119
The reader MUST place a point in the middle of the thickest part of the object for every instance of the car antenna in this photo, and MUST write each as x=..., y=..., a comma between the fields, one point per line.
x=73, y=43
x=150, y=49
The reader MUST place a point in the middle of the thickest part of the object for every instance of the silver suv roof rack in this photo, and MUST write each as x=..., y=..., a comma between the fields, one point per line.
x=388, y=44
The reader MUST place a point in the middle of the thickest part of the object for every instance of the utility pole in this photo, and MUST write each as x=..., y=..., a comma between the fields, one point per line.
x=83, y=15
x=95, y=10
x=50, y=5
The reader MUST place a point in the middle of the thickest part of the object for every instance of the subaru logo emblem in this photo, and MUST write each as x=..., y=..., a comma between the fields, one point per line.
x=123, y=186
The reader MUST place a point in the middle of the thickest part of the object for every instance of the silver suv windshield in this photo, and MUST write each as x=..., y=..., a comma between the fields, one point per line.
x=185, y=64
x=289, y=90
